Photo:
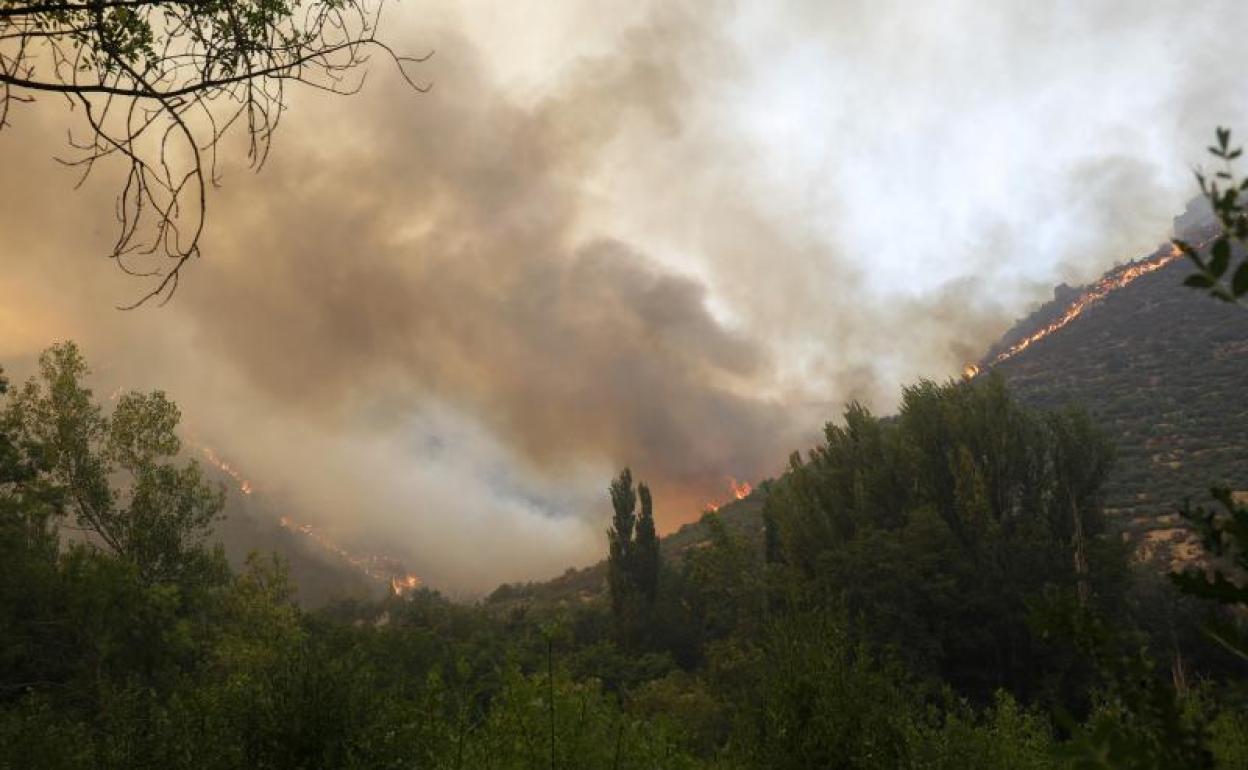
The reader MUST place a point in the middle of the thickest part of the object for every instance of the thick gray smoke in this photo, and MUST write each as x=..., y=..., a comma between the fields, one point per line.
x=675, y=237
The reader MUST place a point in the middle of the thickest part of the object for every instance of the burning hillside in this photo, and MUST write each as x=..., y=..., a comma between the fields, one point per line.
x=1092, y=296
x=215, y=460
x=384, y=570
x=740, y=490
x=1196, y=225
x=1159, y=366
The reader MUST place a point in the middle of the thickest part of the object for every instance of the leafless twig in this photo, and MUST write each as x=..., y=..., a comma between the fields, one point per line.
x=158, y=84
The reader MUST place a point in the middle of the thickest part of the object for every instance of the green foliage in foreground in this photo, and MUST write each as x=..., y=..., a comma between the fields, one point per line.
x=935, y=591
x=1225, y=192
x=944, y=529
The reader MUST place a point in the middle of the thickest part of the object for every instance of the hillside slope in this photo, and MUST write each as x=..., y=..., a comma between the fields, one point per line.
x=319, y=577
x=1158, y=365
x=1161, y=367
x=576, y=586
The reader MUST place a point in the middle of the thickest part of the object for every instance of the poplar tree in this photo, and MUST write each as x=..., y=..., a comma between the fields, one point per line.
x=646, y=548
x=633, y=559
x=620, y=540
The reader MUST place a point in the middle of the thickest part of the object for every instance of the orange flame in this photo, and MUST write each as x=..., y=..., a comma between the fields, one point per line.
x=404, y=584
x=244, y=485
x=382, y=569
x=740, y=490
x=970, y=371
x=1098, y=292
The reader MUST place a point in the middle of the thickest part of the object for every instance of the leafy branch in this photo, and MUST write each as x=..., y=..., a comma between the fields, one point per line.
x=1225, y=194
x=1224, y=535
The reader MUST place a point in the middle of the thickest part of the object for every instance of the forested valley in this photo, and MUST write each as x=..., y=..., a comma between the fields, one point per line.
x=933, y=589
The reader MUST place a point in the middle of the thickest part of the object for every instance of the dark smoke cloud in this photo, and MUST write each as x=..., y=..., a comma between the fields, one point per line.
x=455, y=273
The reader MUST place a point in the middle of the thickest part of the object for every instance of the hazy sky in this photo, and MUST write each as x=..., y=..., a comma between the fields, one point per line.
x=677, y=236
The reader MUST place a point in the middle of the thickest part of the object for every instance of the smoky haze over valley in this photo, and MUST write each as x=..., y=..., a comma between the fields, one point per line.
x=673, y=236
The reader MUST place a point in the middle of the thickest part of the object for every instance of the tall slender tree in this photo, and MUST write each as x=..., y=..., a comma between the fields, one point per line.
x=633, y=561
x=620, y=540
x=646, y=548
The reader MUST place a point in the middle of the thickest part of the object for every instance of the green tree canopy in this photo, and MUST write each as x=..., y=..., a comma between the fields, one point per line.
x=114, y=474
x=941, y=526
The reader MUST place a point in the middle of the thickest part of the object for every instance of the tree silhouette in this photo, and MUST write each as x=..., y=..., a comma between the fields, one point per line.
x=633, y=550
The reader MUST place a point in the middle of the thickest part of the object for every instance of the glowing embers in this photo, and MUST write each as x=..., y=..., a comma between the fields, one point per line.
x=404, y=584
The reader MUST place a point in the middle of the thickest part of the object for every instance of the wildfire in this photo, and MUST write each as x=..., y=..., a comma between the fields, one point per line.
x=969, y=371
x=1098, y=292
x=244, y=485
x=404, y=584
x=740, y=490
x=382, y=569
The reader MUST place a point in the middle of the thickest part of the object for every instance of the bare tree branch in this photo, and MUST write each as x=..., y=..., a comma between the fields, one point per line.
x=158, y=84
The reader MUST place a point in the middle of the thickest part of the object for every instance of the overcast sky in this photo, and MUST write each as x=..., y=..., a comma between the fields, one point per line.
x=677, y=236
